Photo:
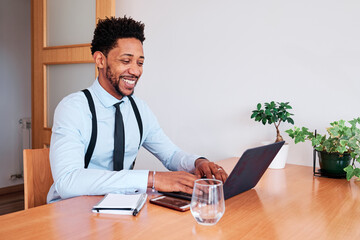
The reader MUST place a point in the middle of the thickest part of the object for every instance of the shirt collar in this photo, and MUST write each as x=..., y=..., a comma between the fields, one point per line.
x=105, y=98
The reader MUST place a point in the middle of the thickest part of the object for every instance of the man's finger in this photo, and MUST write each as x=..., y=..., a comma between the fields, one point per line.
x=186, y=189
x=215, y=169
x=189, y=179
x=207, y=172
x=219, y=173
x=224, y=176
x=197, y=173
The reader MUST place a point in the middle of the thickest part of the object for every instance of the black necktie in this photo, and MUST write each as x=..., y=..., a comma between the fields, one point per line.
x=119, y=139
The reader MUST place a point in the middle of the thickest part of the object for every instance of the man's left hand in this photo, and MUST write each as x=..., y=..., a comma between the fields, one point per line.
x=204, y=167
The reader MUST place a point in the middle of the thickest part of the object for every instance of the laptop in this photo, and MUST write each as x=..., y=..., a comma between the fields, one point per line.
x=246, y=173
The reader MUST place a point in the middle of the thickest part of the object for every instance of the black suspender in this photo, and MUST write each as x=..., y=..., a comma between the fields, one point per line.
x=92, y=143
x=138, y=117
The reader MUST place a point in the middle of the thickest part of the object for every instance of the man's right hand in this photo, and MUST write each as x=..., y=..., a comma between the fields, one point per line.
x=172, y=181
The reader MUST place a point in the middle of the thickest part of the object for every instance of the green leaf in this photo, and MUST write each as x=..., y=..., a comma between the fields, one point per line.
x=304, y=129
x=334, y=131
x=341, y=149
x=272, y=104
x=353, y=122
x=280, y=115
x=290, y=132
x=258, y=106
x=319, y=148
x=315, y=142
x=264, y=121
x=254, y=114
x=349, y=172
x=357, y=172
x=290, y=120
x=273, y=119
x=348, y=132
x=299, y=138
x=343, y=142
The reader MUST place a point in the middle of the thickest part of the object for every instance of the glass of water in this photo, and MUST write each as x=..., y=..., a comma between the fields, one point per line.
x=207, y=202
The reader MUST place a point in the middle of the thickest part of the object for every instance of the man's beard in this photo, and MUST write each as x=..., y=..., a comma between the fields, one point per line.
x=115, y=82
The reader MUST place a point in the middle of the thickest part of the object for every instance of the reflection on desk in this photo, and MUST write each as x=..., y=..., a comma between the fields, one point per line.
x=286, y=204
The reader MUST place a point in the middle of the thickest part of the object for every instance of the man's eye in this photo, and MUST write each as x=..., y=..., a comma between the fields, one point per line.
x=140, y=63
x=125, y=61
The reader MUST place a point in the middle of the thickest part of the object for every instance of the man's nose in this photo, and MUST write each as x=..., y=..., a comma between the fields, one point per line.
x=135, y=69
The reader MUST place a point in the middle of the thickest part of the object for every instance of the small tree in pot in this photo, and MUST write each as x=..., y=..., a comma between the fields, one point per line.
x=273, y=113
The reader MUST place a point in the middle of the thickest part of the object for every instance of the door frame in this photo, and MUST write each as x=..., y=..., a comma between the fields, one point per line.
x=42, y=55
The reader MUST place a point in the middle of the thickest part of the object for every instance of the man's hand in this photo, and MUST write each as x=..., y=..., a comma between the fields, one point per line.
x=172, y=181
x=204, y=167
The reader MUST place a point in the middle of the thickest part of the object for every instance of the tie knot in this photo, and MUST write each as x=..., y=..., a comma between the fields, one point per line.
x=116, y=105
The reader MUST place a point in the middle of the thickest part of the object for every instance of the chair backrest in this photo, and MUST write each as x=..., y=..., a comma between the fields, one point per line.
x=37, y=176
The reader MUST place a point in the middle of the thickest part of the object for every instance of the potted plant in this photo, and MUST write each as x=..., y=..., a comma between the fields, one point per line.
x=275, y=113
x=338, y=151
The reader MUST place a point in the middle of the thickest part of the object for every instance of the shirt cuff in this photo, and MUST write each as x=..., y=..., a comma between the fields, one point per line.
x=136, y=182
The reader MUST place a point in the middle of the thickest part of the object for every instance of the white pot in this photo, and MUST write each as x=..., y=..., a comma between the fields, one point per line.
x=280, y=159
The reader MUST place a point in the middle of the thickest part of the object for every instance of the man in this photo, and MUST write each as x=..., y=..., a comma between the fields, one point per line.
x=118, y=53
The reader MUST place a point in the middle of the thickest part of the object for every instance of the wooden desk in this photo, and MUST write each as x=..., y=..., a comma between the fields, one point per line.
x=286, y=204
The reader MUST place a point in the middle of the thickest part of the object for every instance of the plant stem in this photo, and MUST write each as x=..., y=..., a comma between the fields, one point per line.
x=278, y=136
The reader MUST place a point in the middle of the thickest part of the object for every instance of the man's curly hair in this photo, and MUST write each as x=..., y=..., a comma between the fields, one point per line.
x=109, y=30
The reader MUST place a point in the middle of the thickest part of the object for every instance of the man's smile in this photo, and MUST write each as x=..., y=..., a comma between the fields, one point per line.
x=129, y=80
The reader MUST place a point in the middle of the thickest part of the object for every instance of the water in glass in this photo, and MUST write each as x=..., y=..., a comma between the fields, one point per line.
x=207, y=203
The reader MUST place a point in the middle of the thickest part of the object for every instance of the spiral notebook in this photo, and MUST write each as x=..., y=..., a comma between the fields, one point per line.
x=121, y=204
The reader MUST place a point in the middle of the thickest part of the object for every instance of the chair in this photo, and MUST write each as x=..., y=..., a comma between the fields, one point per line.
x=37, y=176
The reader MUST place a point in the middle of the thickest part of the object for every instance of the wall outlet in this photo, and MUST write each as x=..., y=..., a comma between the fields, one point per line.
x=16, y=176
x=25, y=123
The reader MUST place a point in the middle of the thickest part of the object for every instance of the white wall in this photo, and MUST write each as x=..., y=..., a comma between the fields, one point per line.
x=209, y=62
x=15, y=84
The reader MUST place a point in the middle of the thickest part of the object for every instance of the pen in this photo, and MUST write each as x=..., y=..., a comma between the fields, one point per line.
x=135, y=212
x=140, y=203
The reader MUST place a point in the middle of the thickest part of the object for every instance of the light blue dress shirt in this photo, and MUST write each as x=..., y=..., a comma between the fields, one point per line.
x=71, y=136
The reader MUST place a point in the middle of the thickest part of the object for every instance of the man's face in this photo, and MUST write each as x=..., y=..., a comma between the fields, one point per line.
x=125, y=65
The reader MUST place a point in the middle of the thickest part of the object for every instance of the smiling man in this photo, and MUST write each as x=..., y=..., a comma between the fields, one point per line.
x=97, y=132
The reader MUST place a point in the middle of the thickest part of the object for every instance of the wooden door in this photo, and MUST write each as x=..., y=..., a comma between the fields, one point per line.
x=43, y=56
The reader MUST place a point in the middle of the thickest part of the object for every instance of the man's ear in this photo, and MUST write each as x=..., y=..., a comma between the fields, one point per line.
x=100, y=59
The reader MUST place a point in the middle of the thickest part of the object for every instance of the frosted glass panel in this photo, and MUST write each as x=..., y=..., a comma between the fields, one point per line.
x=65, y=79
x=70, y=22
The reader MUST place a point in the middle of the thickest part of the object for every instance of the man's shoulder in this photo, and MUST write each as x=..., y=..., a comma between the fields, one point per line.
x=70, y=111
x=75, y=101
x=74, y=98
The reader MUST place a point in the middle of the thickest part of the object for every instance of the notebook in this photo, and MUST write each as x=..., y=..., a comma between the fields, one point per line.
x=121, y=204
x=246, y=173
